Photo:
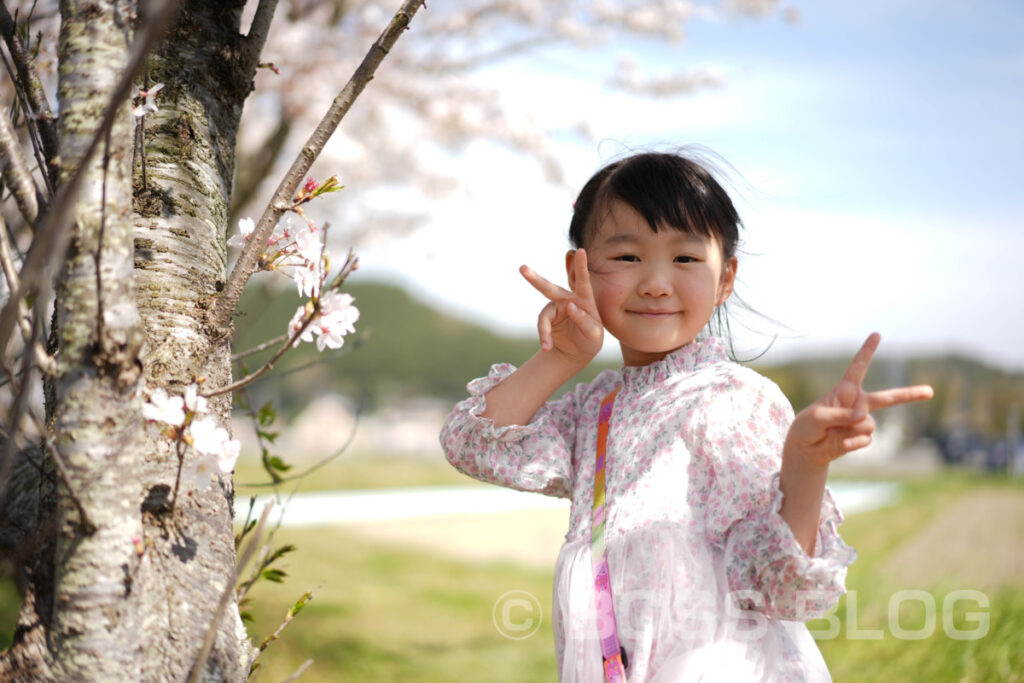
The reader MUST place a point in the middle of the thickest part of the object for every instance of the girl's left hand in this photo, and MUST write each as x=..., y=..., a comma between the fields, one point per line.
x=840, y=421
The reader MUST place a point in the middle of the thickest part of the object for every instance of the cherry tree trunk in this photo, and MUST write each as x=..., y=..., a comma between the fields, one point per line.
x=129, y=592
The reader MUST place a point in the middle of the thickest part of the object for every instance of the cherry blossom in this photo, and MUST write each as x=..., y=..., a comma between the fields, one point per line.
x=298, y=253
x=193, y=401
x=198, y=473
x=245, y=228
x=207, y=436
x=337, y=318
x=296, y=322
x=306, y=257
x=228, y=456
x=215, y=451
x=307, y=278
x=149, y=100
x=308, y=243
x=164, y=408
x=283, y=231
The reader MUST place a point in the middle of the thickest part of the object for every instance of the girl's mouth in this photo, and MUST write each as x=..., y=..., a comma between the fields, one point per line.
x=654, y=314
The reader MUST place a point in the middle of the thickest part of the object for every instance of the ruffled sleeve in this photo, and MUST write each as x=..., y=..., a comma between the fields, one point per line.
x=743, y=436
x=532, y=457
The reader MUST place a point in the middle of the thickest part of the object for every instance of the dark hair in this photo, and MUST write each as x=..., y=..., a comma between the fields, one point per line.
x=668, y=190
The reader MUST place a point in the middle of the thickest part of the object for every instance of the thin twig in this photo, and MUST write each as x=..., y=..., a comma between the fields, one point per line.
x=16, y=172
x=320, y=463
x=226, y=595
x=324, y=357
x=257, y=38
x=298, y=672
x=248, y=260
x=85, y=522
x=269, y=365
x=21, y=103
x=262, y=347
x=43, y=359
x=29, y=82
x=98, y=254
x=310, y=316
x=180, y=448
x=306, y=598
x=19, y=405
x=141, y=127
x=51, y=238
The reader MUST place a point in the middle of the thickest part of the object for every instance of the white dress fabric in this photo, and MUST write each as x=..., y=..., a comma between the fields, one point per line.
x=708, y=581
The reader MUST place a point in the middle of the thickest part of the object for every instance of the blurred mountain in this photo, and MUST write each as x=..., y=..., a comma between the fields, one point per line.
x=404, y=349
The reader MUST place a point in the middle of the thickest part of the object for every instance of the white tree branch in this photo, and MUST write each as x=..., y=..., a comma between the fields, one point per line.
x=43, y=359
x=30, y=84
x=16, y=172
x=257, y=37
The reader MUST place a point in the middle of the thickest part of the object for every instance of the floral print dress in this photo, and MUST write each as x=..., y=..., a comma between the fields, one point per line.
x=708, y=580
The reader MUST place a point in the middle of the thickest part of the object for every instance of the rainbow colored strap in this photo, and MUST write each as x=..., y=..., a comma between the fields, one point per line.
x=611, y=651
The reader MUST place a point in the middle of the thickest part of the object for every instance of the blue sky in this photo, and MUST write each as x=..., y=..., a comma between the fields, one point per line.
x=879, y=158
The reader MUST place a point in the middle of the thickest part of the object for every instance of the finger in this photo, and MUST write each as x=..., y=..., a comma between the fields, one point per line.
x=544, y=326
x=585, y=321
x=583, y=289
x=862, y=361
x=864, y=426
x=829, y=416
x=853, y=443
x=898, y=396
x=549, y=289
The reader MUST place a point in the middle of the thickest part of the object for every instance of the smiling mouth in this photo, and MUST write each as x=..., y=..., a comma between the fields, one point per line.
x=654, y=314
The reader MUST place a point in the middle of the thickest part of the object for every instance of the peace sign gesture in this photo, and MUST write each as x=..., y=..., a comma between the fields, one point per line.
x=840, y=421
x=569, y=323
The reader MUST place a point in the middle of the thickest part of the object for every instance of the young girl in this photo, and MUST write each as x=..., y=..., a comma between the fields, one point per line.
x=701, y=533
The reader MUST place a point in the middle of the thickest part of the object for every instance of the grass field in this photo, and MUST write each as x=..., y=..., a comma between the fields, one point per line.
x=388, y=611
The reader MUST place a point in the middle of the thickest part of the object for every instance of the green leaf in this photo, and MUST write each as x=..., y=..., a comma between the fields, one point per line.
x=280, y=552
x=248, y=525
x=245, y=530
x=275, y=575
x=302, y=602
x=278, y=464
x=267, y=414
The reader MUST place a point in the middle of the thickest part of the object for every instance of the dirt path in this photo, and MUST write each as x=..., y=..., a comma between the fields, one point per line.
x=977, y=542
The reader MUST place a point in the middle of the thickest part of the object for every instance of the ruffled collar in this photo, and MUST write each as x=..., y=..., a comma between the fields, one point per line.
x=682, y=361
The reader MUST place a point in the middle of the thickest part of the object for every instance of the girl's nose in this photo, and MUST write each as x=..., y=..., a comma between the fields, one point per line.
x=655, y=282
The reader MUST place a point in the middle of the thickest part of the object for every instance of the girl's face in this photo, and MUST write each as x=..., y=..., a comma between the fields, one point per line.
x=654, y=290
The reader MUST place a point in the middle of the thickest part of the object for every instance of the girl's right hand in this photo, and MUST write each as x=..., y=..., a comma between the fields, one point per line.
x=569, y=323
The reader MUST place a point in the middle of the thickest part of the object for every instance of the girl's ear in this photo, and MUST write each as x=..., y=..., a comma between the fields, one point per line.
x=570, y=259
x=728, y=280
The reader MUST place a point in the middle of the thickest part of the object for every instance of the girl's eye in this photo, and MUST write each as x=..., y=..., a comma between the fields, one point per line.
x=628, y=258
x=685, y=259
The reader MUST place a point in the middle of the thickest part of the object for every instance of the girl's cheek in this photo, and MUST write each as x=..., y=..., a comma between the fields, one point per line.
x=609, y=289
x=615, y=276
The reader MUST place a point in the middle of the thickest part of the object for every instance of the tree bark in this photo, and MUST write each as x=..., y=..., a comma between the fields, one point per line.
x=180, y=267
x=94, y=632
x=133, y=597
